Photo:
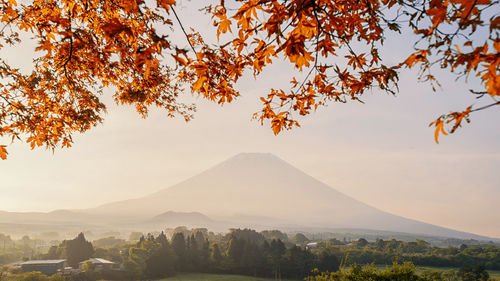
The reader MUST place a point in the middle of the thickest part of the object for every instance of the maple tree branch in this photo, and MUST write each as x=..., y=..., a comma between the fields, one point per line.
x=70, y=81
x=20, y=116
x=315, y=61
x=346, y=42
x=143, y=19
x=184, y=31
x=486, y=106
x=452, y=35
x=9, y=22
x=15, y=76
x=114, y=3
x=70, y=42
x=11, y=104
x=70, y=52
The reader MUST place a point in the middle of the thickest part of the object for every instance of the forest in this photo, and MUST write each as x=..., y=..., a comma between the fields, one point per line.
x=271, y=254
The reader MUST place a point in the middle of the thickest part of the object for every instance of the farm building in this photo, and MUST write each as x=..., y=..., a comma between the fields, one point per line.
x=47, y=267
x=100, y=264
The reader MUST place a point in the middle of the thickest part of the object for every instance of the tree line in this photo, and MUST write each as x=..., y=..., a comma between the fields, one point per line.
x=241, y=251
x=269, y=254
x=418, y=252
x=400, y=272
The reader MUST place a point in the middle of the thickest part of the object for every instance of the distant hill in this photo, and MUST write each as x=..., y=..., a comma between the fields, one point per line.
x=172, y=219
x=57, y=216
x=262, y=190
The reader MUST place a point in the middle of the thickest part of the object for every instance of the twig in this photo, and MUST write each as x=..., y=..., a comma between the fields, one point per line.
x=183, y=30
x=486, y=106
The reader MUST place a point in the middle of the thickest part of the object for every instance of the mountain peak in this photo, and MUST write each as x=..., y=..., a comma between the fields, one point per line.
x=254, y=156
x=255, y=162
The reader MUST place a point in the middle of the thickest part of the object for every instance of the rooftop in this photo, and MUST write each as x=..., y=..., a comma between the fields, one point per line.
x=42, y=262
x=98, y=261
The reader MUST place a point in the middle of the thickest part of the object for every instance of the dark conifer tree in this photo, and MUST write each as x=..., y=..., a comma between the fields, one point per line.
x=161, y=262
x=276, y=251
x=327, y=262
x=235, y=251
x=77, y=250
x=193, y=253
x=179, y=247
x=215, y=257
x=298, y=263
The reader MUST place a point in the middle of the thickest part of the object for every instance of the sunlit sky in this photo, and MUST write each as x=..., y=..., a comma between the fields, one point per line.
x=381, y=152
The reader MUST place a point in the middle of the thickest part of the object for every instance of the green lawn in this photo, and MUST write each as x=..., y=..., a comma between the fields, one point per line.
x=214, y=277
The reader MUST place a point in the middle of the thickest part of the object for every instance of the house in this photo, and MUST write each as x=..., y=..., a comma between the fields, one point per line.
x=100, y=264
x=312, y=245
x=68, y=271
x=47, y=267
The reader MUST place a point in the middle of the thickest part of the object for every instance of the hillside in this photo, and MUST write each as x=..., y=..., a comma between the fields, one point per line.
x=262, y=190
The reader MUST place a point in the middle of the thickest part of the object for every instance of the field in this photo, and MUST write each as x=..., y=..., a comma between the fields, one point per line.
x=494, y=274
x=214, y=277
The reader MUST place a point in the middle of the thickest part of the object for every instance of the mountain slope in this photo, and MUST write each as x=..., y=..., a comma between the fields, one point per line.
x=57, y=217
x=173, y=219
x=263, y=189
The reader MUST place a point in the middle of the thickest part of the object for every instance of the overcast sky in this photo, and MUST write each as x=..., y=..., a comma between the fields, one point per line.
x=381, y=152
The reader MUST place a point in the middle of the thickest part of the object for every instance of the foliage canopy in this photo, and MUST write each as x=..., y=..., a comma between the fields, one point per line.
x=85, y=46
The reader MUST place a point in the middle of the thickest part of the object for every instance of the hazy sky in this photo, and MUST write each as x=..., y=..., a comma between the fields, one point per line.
x=380, y=152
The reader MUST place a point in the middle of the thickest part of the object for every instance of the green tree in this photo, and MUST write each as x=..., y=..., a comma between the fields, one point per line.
x=274, y=234
x=298, y=263
x=88, y=266
x=300, y=238
x=200, y=238
x=215, y=256
x=135, y=236
x=161, y=260
x=327, y=261
x=193, y=253
x=439, y=275
x=276, y=252
x=136, y=262
x=179, y=247
x=247, y=235
x=77, y=250
x=36, y=276
x=108, y=242
x=398, y=272
x=235, y=250
x=361, y=242
x=54, y=252
x=477, y=273
x=252, y=259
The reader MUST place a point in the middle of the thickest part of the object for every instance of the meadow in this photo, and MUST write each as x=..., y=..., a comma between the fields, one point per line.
x=216, y=277
x=494, y=275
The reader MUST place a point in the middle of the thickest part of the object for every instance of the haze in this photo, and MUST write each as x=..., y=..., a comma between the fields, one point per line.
x=381, y=153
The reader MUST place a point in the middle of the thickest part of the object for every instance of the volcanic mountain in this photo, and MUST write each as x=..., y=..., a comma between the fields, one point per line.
x=261, y=189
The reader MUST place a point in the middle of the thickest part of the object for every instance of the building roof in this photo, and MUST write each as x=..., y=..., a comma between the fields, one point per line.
x=98, y=261
x=33, y=262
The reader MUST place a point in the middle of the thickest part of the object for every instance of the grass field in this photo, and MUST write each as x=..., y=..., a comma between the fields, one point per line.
x=214, y=277
x=495, y=275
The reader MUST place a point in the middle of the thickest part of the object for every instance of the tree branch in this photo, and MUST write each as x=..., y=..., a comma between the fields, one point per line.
x=183, y=30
